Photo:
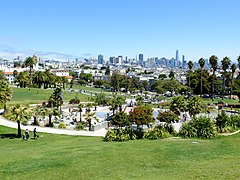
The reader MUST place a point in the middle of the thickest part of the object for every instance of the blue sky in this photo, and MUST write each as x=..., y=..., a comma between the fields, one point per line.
x=85, y=28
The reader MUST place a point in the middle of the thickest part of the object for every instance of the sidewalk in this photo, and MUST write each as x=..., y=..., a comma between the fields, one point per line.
x=11, y=124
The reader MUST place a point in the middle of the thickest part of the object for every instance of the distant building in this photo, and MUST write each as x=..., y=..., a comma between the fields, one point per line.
x=177, y=57
x=100, y=59
x=9, y=76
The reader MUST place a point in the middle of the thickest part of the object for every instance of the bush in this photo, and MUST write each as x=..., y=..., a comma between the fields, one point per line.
x=201, y=127
x=74, y=101
x=62, y=126
x=80, y=126
x=221, y=121
x=158, y=132
x=234, y=121
x=119, y=135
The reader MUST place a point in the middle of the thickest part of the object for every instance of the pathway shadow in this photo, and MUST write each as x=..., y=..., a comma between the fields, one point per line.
x=9, y=136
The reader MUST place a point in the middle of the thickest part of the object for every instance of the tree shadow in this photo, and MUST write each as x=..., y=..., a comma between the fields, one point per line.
x=9, y=136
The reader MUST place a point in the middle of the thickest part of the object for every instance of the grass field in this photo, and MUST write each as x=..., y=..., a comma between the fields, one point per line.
x=71, y=157
x=35, y=96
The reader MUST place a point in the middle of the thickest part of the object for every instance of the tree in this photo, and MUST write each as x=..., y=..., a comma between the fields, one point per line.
x=201, y=62
x=120, y=119
x=167, y=116
x=15, y=73
x=178, y=104
x=35, y=112
x=140, y=100
x=214, y=63
x=221, y=121
x=30, y=62
x=225, y=65
x=233, y=69
x=107, y=72
x=80, y=109
x=162, y=76
x=171, y=74
x=22, y=79
x=89, y=115
x=101, y=99
x=5, y=93
x=141, y=115
x=238, y=59
x=56, y=99
x=190, y=66
x=19, y=113
x=50, y=112
x=194, y=105
x=39, y=78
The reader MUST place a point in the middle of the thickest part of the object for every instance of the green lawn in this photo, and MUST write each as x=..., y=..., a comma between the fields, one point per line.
x=35, y=96
x=75, y=157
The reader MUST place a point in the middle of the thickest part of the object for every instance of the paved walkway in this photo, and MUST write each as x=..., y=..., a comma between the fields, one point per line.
x=11, y=124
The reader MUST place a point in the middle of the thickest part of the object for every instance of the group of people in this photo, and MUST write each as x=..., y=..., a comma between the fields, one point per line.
x=26, y=135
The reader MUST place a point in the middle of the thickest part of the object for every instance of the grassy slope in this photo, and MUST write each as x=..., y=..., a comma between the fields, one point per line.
x=68, y=157
x=34, y=96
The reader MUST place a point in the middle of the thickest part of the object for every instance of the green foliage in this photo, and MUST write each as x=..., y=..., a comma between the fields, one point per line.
x=141, y=115
x=62, y=125
x=120, y=119
x=234, y=121
x=80, y=126
x=119, y=135
x=178, y=104
x=221, y=121
x=167, y=116
x=195, y=105
x=101, y=99
x=86, y=77
x=201, y=127
x=158, y=132
x=74, y=100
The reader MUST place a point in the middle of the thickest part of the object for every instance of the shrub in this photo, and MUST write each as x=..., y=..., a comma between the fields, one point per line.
x=62, y=126
x=119, y=135
x=158, y=132
x=79, y=126
x=234, y=121
x=201, y=127
x=167, y=116
x=74, y=101
x=221, y=121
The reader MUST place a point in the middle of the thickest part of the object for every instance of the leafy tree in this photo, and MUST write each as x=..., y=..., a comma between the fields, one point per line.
x=107, y=72
x=214, y=63
x=2, y=77
x=141, y=115
x=15, y=73
x=20, y=114
x=140, y=100
x=225, y=65
x=5, y=93
x=86, y=77
x=201, y=63
x=167, y=116
x=162, y=76
x=101, y=99
x=178, y=104
x=194, y=105
x=120, y=119
x=171, y=74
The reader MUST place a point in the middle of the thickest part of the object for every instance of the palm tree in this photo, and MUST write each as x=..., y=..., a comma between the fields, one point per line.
x=35, y=112
x=120, y=100
x=80, y=108
x=233, y=68
x=190, y=66
x=238, y=59
x=201, y=62
x=225, y=65
x=22, y=79
x=30, y=62
x=56, y=99
x=5, y=93
x=50, y=112
x=19, y=113
x=194, y=105
x=88, y=117
x=39, y=78
x=178, y=105
x=214, y=63
x=64, y=81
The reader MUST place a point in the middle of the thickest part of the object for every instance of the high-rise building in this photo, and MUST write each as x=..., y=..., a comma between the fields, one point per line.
x=177, y=57
x=184, y=62
x=140, y=57
x=100, y=59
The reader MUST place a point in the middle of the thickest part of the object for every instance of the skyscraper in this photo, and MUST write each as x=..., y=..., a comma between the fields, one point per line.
x=100, y=59
x=177, y=57
x=140, y=57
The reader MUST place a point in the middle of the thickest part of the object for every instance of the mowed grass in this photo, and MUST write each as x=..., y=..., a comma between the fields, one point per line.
x=36, y=96
x=75, y=157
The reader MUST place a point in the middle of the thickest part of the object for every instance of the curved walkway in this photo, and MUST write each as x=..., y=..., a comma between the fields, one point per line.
x=229, y=134
x=11, y=124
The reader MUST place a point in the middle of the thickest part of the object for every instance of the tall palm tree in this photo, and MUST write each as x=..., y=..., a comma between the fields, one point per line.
x=5, y=93
x=19, y=113
x=225, y=65
x=190, y=66
x=39, y=78
x=201, y=62
x=214, y=63
x=88, y=117
x=80, y=108
x=233, y=68
x=56, y=99
x=30, y=62
x=238, y=59
x=22, y=79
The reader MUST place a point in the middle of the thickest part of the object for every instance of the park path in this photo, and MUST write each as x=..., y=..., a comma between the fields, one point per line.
x=229, y=134
x=11, y=124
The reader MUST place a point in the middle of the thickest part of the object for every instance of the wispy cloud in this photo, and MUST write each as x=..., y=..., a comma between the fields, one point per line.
x=8, y=52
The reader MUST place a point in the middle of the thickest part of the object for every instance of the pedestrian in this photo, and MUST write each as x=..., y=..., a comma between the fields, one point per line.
x=35, y=133
x=26, y=135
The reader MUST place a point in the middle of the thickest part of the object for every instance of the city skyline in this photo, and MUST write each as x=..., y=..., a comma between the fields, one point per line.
x=72, y=29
